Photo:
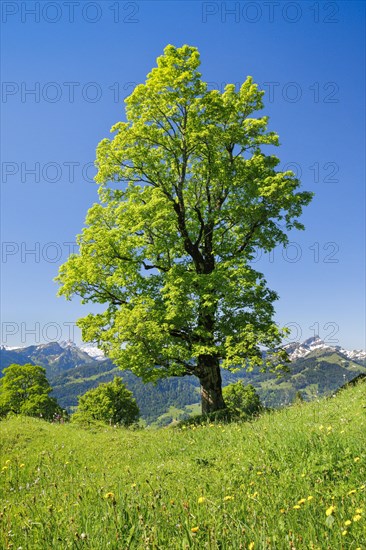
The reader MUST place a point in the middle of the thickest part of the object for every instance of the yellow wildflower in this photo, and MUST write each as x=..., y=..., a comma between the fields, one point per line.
x=7, y=461
x=347, y=522
x=301, y=501
x=251, y=546
x=351, y=492
x=330, y=511
x=356, y=459
x=359, y=510
x=194, y=529
x=201, y=500
x=357, y=517
x=21, y=465
x=109, y=495
x=296, y=507
x=228, y=497
x=282, y=510
x=344, y=533
x=310, y=497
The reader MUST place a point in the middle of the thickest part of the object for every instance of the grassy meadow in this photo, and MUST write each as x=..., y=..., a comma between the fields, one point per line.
x=293, y=479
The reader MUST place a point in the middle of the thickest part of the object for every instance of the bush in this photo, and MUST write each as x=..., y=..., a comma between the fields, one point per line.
x=109, y=403
x=242, y=400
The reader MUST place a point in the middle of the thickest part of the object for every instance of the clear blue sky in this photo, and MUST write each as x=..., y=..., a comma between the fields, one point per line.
x=82, y=58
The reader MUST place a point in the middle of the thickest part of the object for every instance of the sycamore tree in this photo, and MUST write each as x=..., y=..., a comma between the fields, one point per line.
x=187, y=197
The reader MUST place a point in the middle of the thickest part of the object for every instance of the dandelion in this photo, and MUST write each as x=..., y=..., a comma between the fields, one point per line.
x=330, y=510
x=344, y=533
x=4, y=468
x=251, y=546
x=259, y=473
x=228, y=497
x=359, y=510
x=356, y=459
x=310, y=497
x=351, y=492
x=301, y=501
x=21, y=465
x=357, y=517
x=303, y=475
x=297, y=507
x=7, y=461
x=282, y=510
x=201, y=500
x=194, y=529
x=133, y=485
x=347, y=522
x=109, y=496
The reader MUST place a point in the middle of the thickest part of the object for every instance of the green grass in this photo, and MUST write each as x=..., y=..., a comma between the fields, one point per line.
x=263, y=485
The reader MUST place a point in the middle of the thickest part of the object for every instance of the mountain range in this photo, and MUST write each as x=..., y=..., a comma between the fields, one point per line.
x=316, y=369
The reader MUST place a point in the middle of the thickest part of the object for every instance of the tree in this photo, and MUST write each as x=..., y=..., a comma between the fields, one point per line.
x=187, y=197
x=111, y=402
x=241, y=399
x=24, y=389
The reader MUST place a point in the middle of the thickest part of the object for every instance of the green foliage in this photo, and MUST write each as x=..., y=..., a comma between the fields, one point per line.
x=110, y=403
x=24, y=389
x=217, y=486
x=187, y=196
x=242, y=400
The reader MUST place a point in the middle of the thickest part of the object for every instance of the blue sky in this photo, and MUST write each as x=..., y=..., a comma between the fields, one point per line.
x=66, y=68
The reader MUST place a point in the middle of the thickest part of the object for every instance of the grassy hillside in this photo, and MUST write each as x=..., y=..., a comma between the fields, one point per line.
x=293, y=479
x=315, y=375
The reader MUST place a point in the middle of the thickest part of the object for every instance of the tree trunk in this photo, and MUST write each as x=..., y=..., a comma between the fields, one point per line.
x=211, y=384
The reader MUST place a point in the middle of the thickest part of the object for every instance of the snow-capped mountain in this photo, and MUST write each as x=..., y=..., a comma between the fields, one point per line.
x=298, y=351
x=93, y=352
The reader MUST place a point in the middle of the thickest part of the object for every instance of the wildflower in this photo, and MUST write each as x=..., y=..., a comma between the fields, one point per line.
x=21, y=465
x=344, y=533
x=359, y=510
x=251, y=546
x=301, y=501
x=133, y=485
x=201, y=500
x=310, y=497
x=4, y=468
x=228, y=497
x=351, y=492
x=330, y=511
x=259, y=473
x=7, y=461
x=194, y=529
x=109, y=496
x=356, y=459
x=347, y=522
x=83, y=536
x=282, y=510
x=297, y=507
x=303, y=475
x=357, y=517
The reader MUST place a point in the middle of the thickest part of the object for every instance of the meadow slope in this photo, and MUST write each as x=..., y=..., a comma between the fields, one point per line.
x=293, y=479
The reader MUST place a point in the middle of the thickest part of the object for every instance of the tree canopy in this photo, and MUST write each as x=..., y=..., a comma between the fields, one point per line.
x=110, y=403
x=24, y=389
x=187, y=196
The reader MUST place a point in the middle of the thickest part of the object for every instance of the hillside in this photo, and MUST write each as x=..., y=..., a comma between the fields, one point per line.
x=294, y=478
x=316, y=370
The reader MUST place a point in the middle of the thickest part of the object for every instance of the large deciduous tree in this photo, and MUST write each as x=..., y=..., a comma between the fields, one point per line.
x=187, y=196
